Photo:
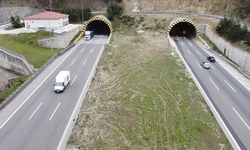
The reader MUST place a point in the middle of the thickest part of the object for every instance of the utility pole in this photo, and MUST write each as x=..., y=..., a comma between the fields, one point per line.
x=50, y=5
x=50, y=30
x=82, y=13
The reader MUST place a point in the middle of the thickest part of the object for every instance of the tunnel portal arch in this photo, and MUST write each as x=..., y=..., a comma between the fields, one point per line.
x=183, y=27
x=99, y=24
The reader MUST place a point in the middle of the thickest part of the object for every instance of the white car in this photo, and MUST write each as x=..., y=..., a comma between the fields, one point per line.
x=205, y=65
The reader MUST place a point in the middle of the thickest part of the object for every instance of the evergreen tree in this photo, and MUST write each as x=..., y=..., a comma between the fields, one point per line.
x=16, y=22
x=114, y=10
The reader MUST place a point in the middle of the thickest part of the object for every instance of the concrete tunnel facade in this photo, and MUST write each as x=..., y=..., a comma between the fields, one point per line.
x=183, y=27
x=99, y=24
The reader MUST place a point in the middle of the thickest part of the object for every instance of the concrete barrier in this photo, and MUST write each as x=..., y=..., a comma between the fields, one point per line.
x=12, y=61
x=237, y=55
x=59, y=41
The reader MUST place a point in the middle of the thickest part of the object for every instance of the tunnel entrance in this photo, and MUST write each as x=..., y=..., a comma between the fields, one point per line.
x=99, y=27
x=183, y=27
x=99, y=24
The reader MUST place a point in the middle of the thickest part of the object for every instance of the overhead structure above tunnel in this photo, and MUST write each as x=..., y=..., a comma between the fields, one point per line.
x=99, y=24
x=183, y=27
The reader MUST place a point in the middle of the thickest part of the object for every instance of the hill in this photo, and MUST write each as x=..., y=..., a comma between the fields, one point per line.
x=239, y=8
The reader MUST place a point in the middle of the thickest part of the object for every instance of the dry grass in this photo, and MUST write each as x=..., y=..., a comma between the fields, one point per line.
x=142, y=98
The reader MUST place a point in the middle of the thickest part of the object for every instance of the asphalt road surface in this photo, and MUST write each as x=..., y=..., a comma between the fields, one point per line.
x=38, y=117
x=229, y=97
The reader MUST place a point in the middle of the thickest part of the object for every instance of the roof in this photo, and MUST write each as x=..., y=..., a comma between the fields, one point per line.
x=47, y=15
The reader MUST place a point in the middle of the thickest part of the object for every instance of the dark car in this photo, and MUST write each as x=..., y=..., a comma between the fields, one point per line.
x=211, y=59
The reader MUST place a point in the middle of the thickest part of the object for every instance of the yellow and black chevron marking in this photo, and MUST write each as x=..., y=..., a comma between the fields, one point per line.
x=100, y=18
x=179, y=20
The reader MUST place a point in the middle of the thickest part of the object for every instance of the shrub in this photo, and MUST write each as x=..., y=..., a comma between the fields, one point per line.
x=113, y=10
x=231, y=29
x=15, y=21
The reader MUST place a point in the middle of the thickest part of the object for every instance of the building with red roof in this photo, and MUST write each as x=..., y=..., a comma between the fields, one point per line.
x=47, y=21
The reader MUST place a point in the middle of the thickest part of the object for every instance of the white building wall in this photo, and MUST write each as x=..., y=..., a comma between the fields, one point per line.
x=47, y=25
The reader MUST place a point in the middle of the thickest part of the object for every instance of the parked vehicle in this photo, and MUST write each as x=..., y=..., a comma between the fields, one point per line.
x=205, y=65
x=211, y=59
x=88, y=35
x=62, y=80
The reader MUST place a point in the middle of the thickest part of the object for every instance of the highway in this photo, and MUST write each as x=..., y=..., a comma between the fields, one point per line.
x=40, y=119
x=230, y=99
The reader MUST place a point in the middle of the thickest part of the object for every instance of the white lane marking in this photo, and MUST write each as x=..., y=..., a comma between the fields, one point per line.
x=35, y=111
x=80, y=100
x=241, y=118
x=208, y=101
x=230, y=86
x=35, y=90
x=54, y=111
x=91, y=51
x=211, y=66
x=73, y=62
x=198, y=64
x=82, y=50
x=73, y=80
x=188, y=52
x=214, y=84
x=199, y=52
x=84, y=62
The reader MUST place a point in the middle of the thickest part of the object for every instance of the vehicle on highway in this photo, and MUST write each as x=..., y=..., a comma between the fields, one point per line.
x=88, y=35
x=62, y=80
x=205, y=65
x=211, y=59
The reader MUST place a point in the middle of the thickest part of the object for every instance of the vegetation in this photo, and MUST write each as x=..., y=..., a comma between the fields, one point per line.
x=232, y=30
x=76, y=14
x=114, y=10
x=15, y=83
x=243, y=9
x=26, y=45
x=15, y=21
x=142, y=98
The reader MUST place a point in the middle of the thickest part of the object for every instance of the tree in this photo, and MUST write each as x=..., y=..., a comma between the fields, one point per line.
x=232, y=29
x=114, y=9
x=15, y=21
x=76, y=14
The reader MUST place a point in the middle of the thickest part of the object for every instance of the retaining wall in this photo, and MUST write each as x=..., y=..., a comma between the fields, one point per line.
x=234, y=53
x=15, y=62
x=59, y=41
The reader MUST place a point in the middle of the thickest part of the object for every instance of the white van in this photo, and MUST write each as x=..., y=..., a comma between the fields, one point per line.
x=62, y=80
x=88, y=35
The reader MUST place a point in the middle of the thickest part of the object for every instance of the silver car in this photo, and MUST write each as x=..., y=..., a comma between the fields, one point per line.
x=205, y=65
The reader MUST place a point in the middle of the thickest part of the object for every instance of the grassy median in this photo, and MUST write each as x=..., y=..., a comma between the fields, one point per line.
x=26, y=45
x=142, y=98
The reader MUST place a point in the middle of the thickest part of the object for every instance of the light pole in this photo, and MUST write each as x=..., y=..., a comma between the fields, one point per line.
x=82, y=12
x=50, y=30
x=50, y=5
